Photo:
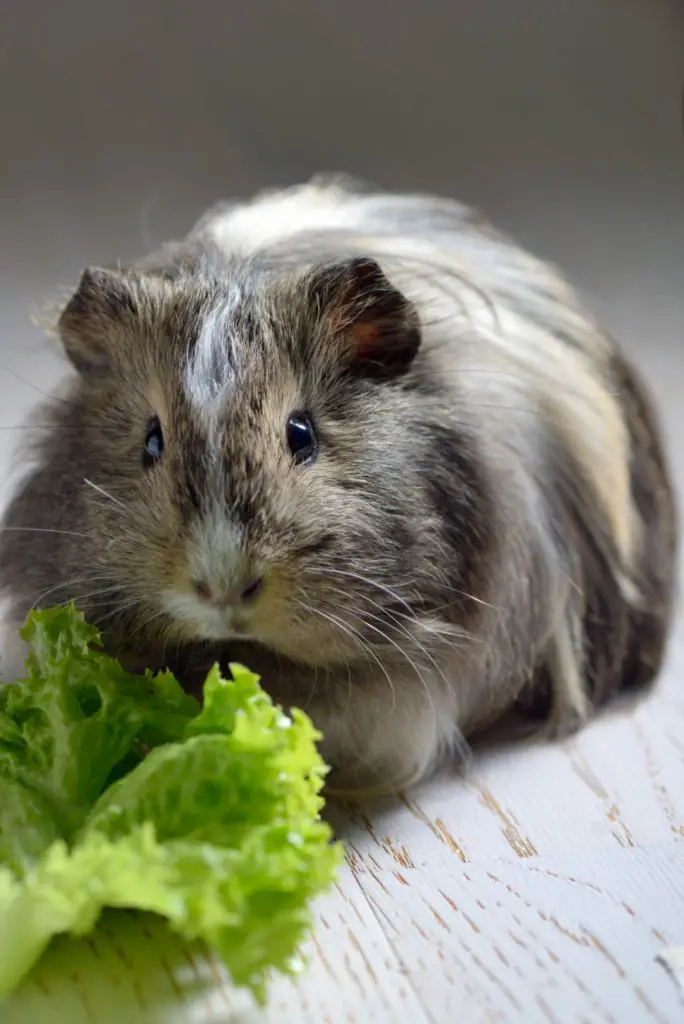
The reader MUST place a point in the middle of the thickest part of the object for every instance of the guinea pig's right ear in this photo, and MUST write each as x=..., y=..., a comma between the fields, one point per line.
x=93, y=319
x=375, y=329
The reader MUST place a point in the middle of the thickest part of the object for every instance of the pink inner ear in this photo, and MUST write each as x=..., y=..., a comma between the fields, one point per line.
x=365, y=337
x=376, y=328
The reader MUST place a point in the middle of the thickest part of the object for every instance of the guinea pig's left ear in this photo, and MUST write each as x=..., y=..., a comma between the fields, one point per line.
x=94, y=318
x=376, y=327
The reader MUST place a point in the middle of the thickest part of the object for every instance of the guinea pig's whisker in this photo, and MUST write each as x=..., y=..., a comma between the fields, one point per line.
x=118, y=609
x=422, y=649
x=395, y=619
x=115, y=588
x=412, y=639
x=456, y=600
x=472, y=597
x=106, y=494
x=445, y=584
x=409, y=616
x=371, y=583
x=343, y=626
x=162, y=614
x=91, y=578
x=46, y=426
x=447, y=605
x=359, y=641
x=412, y=616
x=38, y=529
x=449, y=588
x=419, y=674
x=404, y=654
x=30, y=384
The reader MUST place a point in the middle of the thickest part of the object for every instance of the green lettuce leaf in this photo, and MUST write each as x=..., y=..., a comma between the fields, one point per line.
x=119, y=791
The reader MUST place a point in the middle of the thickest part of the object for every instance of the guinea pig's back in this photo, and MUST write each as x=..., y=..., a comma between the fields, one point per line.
x=334, y=214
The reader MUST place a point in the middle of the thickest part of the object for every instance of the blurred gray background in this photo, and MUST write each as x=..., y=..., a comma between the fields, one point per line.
x=562, y=119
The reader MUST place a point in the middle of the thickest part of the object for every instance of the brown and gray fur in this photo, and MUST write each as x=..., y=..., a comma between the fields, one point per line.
x=489, y=521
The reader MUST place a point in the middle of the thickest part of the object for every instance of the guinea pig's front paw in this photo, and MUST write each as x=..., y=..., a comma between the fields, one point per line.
x=358, y=782
x=564, y=720
x=356, y=787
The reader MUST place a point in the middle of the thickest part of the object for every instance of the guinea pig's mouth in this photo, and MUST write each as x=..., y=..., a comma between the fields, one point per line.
x=193, y=686
x=196, y=655
x=203, y=624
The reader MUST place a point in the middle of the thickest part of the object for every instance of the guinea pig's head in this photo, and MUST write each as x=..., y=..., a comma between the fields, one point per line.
x=249, y=456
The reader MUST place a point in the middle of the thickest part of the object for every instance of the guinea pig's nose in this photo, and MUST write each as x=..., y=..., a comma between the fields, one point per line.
x=203, y=590
x=244, y=593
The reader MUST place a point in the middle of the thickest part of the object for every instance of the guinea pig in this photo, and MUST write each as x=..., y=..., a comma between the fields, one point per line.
x=370, y=448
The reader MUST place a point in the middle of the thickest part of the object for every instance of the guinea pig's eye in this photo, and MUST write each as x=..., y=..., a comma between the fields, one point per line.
x=301, y=439
x=154, y=443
